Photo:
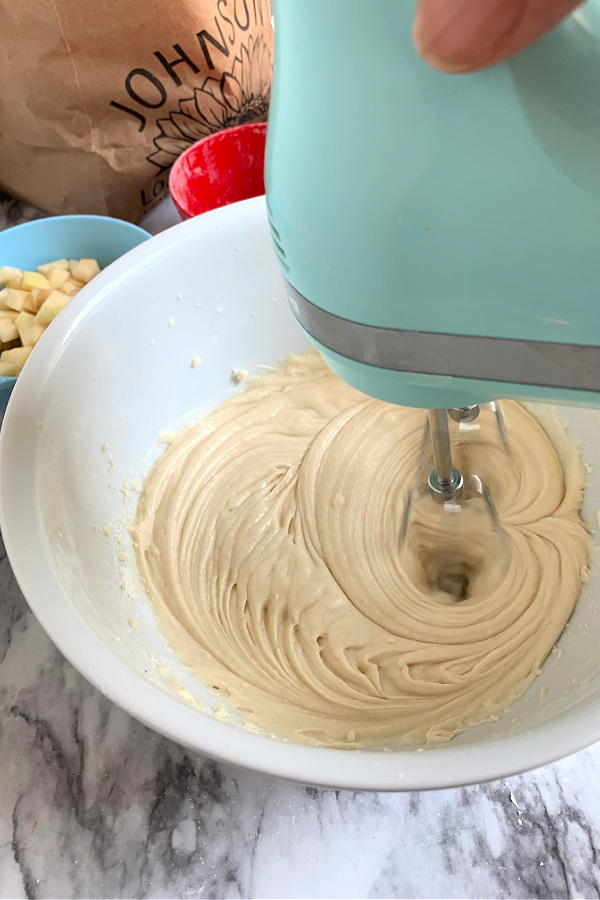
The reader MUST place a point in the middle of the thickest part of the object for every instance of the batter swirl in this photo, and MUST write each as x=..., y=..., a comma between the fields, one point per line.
x=267, y=536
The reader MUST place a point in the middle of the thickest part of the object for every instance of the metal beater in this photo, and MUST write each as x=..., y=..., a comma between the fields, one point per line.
x=451, y=530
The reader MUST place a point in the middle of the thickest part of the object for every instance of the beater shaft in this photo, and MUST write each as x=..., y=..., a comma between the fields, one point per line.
x=440, y=437
x=445, y=482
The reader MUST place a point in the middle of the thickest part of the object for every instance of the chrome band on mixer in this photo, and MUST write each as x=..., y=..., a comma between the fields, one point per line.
x=541, y=363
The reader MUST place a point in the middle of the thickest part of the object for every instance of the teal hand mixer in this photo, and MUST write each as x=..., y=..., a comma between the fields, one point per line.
x=439, y=234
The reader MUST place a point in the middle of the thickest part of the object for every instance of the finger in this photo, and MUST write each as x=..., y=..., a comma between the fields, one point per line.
x=466, y=35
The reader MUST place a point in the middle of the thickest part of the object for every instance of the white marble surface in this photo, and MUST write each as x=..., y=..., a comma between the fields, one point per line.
x=92, y=804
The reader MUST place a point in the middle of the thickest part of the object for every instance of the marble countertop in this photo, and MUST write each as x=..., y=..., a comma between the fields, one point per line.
x=93, y=804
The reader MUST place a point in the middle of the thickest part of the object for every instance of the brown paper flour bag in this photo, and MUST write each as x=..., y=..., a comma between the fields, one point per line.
x=99, y=97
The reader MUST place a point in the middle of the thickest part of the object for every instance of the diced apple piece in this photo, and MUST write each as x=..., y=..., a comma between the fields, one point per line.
x=85, y=270
x=57, y=278
x=30, y=305
x=36, y=298
x=16, y=283
x=33, y=280
x=8, y=370
x=51, y=307
x=8, y=272
x=71, y=287
x=18, y=356
x=14, y=299
x=4, y=311
x=30, y=330
x=8, y=331
x=55, y=264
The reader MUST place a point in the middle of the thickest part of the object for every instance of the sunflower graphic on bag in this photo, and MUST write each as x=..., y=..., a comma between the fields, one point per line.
x=238, y=97
x=96, y=124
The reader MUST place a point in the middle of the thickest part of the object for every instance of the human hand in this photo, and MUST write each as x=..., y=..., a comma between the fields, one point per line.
x=466, y=35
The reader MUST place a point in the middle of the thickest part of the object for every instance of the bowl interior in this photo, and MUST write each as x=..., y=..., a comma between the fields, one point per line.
x=223, y=168
x=117, y=371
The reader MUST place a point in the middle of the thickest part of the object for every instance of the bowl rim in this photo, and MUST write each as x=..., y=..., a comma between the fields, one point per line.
x=372, y=770
x=45, y=221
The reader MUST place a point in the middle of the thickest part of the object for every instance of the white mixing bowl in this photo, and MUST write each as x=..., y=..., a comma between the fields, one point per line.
x=115, y=368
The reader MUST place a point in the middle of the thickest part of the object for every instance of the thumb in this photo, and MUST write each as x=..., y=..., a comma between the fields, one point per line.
x=465, y=35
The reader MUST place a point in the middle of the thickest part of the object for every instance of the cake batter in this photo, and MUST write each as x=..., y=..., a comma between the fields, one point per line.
x=267, y=538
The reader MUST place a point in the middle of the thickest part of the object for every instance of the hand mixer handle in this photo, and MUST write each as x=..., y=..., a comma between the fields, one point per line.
x=440, y=235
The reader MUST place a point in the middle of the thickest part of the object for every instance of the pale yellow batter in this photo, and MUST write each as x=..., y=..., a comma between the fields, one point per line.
x=268, y=541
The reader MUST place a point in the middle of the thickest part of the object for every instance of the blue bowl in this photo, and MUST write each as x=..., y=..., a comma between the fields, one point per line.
x=35, y=243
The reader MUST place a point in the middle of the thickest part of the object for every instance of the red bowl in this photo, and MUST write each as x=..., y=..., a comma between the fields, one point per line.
x=220, y=169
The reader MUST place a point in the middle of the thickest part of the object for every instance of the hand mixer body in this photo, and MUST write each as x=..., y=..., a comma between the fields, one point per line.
x=439, y=235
